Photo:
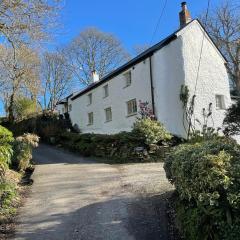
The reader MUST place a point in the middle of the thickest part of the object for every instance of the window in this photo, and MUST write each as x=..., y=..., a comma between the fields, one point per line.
x=105, y=91
x=90, y=118
x=220, y=102
x=70, y=107
x=132, y=107
x=128, y=78
x=89, y=98
x=108, y=114
x=63, y=110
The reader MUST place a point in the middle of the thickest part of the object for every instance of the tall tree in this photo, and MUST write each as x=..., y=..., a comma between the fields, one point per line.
x=93, y=50
x=223, y=24
x=56, y=79
x=19, y=74
x=22, y=21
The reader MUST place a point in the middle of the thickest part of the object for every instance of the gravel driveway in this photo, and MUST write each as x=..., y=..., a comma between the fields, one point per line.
x=75, y=198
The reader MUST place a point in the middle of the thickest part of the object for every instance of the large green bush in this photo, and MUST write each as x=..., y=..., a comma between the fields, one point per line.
x=207, y=178
x=23, y=146
x=6, y=139
x=151, y=130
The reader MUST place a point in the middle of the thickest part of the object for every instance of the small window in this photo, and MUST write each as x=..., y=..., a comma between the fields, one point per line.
x=63, y=110
x=105, y=91
x=108, y=114
x=90, y=118
x=89, y=98
x=128, y=78
x=132, y=107
x=220, y=104
x=70, y=107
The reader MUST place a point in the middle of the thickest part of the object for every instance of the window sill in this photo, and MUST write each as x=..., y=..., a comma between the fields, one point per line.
x=89, y=104
x=105, y=96
x=108, y=121
x=89, y=124
x=131, y=115
x=221, y=109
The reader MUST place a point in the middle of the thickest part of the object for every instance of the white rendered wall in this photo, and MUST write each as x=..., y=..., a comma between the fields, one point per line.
x=168, y=76
x=213, y=77
x=118, y=96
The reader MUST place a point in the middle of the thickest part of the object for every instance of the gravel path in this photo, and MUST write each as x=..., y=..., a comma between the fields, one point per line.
x=75, y=198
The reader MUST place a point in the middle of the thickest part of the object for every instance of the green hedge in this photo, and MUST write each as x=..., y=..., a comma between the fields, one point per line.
x=6, y=140
x=207, y=178
x=119, y=147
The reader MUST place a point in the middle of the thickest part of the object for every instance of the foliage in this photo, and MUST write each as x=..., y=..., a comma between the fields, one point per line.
x=6, y=138
x=23, y=107
x=206, y=177
x=146, y=111
x=19, y=75
x=23, y=150
x=8, y=194
x=151, y=130
x=206, y=132
x=117, y=148
x=232, y=120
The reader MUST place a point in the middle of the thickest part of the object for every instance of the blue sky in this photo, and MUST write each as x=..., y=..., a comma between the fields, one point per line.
x=131, y=21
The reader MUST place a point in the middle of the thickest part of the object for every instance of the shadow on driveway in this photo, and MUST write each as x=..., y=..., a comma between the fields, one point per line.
x=145, y=220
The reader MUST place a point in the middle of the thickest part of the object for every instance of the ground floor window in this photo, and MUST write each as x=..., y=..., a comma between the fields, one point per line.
x=220, y=104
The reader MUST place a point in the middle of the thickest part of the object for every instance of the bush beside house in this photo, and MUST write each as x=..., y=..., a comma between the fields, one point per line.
x=121, y=147
x=207, y=179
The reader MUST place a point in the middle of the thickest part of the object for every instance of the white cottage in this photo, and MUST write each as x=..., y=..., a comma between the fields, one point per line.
x=110, y=105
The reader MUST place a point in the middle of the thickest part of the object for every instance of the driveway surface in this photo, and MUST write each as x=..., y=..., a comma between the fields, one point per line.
x=75, y=198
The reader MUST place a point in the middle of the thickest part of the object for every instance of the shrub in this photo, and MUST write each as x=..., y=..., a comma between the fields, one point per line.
x=207, y=178
x=6, y=139
x=232, y=120
x=23, y=150
x=151, y=131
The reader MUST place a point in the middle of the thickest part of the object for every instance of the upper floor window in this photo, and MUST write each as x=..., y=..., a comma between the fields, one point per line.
x=108, y=114
x=220, y=104
x=89, y=98
x=105, y=91
x=128, y=78
x=132, y=107
x=70, y=107
x=90, y=118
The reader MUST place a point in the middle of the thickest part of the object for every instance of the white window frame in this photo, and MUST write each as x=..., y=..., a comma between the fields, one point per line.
x=108, y=114
x=128, y=78
x=89, y=98
x=105, y=91
x=90, y=119
x=132, y=107
x=220, y=102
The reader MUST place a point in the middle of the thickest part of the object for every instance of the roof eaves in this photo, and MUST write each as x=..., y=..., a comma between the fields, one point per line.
x=129, y=64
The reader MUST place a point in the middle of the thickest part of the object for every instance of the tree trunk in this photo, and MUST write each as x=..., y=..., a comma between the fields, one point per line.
x=10, y=109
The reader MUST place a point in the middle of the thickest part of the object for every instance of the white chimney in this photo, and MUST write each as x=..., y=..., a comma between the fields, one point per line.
x=95, y=77
x=184, y=15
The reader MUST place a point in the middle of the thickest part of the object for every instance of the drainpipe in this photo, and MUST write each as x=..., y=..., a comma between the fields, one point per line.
x=151, y=82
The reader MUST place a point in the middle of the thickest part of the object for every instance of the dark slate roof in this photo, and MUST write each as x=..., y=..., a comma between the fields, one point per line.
x=149, y=52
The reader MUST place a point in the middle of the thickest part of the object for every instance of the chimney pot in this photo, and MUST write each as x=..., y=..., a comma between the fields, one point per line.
x=184, y=15
x=95, y=76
